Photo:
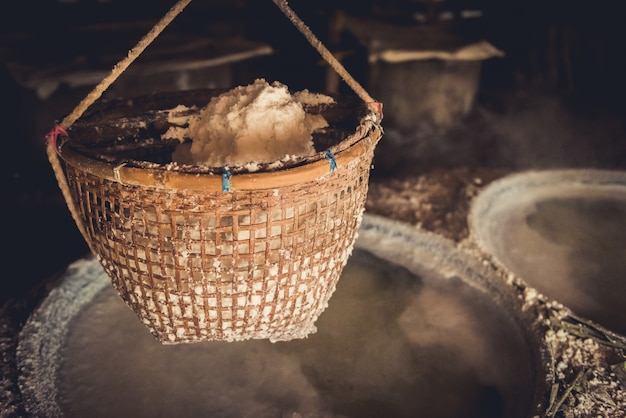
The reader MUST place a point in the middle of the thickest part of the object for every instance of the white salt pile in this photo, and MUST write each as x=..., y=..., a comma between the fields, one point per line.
x=257, y=123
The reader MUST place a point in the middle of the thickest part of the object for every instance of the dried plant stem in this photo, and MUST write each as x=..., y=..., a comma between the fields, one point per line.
x=556, y=407
x=584, y=329
x=324, y=52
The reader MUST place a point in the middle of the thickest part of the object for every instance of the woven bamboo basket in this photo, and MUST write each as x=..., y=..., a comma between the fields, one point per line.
x=204, y=254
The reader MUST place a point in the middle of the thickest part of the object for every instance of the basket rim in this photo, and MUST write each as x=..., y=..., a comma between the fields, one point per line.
x=158, y=176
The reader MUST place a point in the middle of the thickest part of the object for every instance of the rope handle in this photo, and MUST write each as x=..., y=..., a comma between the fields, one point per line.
x=134, y=53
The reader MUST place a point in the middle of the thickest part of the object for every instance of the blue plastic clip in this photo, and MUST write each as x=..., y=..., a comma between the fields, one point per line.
x=226, y=180
x=331, y=158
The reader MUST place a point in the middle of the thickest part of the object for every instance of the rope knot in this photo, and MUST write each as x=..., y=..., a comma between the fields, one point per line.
x=378, y=108
x=51, y=136
x=331, y=158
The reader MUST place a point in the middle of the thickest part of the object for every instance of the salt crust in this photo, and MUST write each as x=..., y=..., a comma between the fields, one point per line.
x=246, y=126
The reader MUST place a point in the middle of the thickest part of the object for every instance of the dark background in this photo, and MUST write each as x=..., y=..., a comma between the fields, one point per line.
x=556, y=99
